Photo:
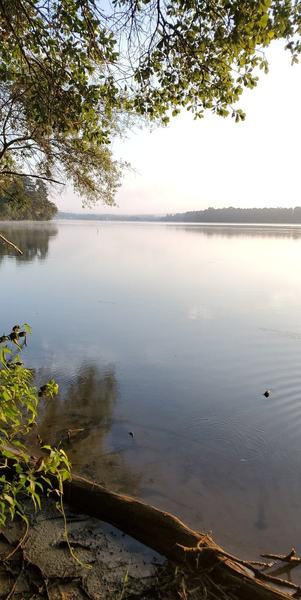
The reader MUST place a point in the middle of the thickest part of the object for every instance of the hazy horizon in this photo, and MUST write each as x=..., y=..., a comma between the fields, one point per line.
x=94, y=213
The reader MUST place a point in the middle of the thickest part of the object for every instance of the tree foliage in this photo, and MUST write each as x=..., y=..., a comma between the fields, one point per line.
x=71, y=69
x=201, y=54
x=26, y=199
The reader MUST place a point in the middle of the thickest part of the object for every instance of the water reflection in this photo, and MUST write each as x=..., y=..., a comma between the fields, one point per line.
x=245, y=231
x=87, y=404
x=31, y=238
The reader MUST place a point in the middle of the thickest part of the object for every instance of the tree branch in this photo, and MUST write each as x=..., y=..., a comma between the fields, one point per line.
x=6, y=172
x=17, y=140
x=9, y=243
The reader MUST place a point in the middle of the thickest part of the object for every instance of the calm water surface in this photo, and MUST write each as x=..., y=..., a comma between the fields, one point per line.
x=172, y=332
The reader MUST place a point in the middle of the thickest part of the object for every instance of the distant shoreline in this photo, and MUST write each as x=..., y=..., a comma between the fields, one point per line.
x=211, y=216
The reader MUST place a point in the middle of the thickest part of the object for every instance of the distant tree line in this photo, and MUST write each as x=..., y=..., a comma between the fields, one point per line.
x=209, y=215
x=238, y=215
x=26, y=199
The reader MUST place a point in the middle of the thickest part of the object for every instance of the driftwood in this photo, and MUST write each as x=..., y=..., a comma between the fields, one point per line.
x=290, y=558
x=169, y=536
x=196, y=552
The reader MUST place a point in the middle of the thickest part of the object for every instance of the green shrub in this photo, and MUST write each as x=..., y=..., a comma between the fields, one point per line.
x=21, y=476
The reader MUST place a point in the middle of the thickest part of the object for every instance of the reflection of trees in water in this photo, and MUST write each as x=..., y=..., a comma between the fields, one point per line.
x=31, y=238
x=226, y=231
x=88, y=402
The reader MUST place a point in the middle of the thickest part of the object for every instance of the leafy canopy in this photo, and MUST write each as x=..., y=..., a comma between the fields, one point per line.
x=70, y=70
x=201, y=54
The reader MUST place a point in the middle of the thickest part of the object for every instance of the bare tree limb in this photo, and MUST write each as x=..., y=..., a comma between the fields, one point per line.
x=9, y=243
x=290, y=558
x=6, y=172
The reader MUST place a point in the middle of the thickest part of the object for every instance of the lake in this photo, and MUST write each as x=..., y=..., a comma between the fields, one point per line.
x=171, y=332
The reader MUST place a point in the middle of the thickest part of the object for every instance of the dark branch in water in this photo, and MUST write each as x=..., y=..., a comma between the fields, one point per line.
x=10, y=244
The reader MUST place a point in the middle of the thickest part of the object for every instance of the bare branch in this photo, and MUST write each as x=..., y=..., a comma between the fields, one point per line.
x=44, y=177
x=7, y=145
x=10, y=244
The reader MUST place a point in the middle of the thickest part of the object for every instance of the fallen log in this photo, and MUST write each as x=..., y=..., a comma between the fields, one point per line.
x=169, y=536
x=163, y=532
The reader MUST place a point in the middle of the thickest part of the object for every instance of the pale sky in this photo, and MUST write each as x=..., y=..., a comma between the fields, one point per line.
x=191, y=165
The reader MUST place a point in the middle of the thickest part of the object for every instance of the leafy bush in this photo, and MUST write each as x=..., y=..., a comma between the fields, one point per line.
x=21, y=476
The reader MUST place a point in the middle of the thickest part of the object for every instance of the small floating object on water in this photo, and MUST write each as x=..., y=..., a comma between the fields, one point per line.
x=131, y=434
x=267, y=393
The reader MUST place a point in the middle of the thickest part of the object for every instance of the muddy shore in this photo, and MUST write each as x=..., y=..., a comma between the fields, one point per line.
x=108, y=563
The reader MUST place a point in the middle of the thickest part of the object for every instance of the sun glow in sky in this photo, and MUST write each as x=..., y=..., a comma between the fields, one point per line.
x=191, y=165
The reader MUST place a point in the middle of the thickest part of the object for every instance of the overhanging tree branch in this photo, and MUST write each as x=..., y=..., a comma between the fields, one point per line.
x=44, y=177
x=70, y=80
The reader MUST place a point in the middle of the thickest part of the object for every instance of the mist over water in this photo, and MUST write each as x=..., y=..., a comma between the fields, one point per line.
x=172, y=332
